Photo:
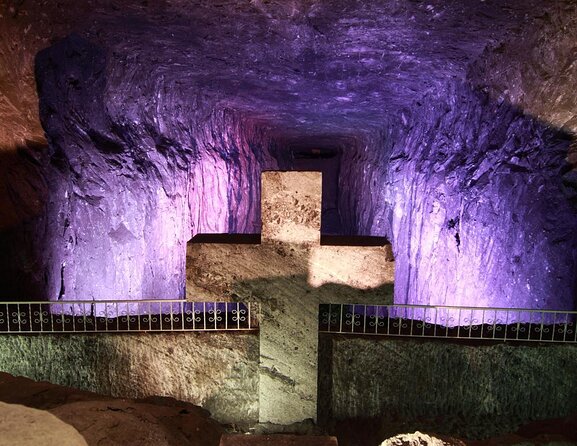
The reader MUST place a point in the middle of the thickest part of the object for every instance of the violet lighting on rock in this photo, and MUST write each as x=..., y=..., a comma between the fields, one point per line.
x=449, y=128
x=158, y=128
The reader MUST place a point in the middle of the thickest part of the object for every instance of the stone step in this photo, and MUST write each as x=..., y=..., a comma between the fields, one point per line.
x=277, y=440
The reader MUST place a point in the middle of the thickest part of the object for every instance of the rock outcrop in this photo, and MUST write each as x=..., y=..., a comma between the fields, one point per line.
x=452, y=125
x=24, y=426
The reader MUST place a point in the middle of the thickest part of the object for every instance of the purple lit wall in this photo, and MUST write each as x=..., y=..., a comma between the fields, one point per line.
x=160, y=119
x=137, y=170
x=472, y=195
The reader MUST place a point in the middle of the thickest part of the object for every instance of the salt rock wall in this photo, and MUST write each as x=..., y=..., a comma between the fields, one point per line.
x=447, y=388
x=480, y=216
x=475, y=183
x=538, y=74
x=358, y=191
x=217, y=371
x=471, y=193
x=138, y=166
x=22, y=189
x=487, y=185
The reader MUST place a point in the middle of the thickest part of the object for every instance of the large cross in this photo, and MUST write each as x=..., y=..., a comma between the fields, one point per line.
x=289, y=273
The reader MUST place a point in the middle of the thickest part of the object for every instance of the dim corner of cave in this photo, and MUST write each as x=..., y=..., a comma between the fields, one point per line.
x=281, y=211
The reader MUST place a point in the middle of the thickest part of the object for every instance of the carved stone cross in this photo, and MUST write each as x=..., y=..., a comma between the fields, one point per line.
x=289, y=273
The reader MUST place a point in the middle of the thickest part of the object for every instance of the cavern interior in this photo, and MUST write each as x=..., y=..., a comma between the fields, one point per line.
x=348, y=219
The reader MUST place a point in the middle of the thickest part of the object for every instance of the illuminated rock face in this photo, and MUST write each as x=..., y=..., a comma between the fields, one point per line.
x=452, y=122
x=130, y=186
x=469, y=191
x=476, y=205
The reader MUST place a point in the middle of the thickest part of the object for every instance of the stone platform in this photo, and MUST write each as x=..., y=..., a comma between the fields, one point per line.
x=277, y=440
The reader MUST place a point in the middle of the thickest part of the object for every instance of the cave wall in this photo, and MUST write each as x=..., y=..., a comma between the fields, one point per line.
x=472, y=391
x=138, y=167
x=479, y=213
x=459, y=389
x=474, y=196
x=23, y=187
x=453, y=179
x=217, y=371
x=537, y=71
x=475, y=183
x=479, y=189
x=362, y=185
x=139, y=162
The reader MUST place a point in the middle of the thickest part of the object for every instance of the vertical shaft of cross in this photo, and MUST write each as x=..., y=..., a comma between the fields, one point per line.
x=291, y=210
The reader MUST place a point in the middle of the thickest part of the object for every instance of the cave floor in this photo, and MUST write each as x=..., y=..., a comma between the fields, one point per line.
x=158, y=421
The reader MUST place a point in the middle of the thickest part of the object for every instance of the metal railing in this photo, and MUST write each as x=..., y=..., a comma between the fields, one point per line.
x=126, y=316
x=474, y=323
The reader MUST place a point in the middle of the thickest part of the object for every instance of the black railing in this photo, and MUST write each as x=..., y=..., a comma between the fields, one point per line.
x=125, y=316
x=504, y=324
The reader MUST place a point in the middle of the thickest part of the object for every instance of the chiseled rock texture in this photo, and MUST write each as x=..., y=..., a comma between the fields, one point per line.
x=468, y=391
x=451, y=124
x=476, y=205
x=419, y=439
x=135, y=183
x=217, y=371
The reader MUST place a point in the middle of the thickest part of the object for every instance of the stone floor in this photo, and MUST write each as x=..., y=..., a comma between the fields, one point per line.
x=159, y=421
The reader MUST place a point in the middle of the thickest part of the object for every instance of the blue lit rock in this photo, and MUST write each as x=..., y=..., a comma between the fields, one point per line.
x=130, y=187
x=476, y=207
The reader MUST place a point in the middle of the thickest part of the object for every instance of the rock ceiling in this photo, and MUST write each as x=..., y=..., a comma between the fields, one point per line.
x=311, y=66
x=316, y=67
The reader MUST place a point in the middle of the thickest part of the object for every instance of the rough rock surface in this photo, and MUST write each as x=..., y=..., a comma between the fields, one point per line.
x=473, y=392
x=452, y=122
x=103, y=420
x=127, y=222
x=24, y=426
x=214, y=370
x=419, y=439
x=478, y=210
x=126, y=422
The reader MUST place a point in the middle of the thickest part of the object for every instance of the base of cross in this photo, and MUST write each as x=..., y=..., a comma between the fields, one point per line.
x=277, y=440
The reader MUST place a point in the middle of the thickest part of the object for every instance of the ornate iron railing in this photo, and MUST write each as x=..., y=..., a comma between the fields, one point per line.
x=126, y=316
x=473, y=323
x=504, y=324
